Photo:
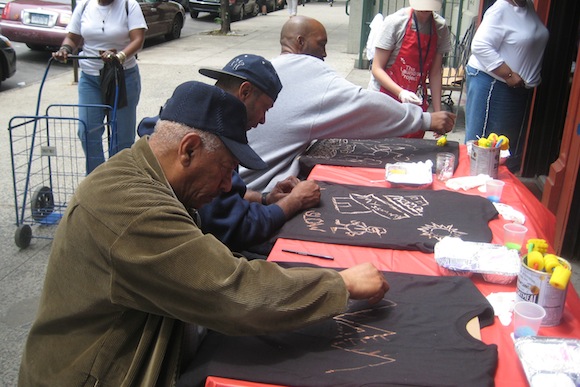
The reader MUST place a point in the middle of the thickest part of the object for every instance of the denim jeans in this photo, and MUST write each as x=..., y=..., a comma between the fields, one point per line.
x=494, y=107
x=91, y=132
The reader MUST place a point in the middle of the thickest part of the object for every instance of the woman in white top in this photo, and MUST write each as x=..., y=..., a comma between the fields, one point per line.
x=505, y=63
x=115, y=31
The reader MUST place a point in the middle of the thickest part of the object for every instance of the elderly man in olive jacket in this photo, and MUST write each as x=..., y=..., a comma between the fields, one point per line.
x=129, y=267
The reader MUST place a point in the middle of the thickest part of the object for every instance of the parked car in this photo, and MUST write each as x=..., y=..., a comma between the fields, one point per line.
x=7, y=59
x=3, y=4
x=239, y=9
x=41, y=24
x=272, y=5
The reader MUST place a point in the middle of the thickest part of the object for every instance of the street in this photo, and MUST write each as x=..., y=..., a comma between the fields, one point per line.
x=31, y=65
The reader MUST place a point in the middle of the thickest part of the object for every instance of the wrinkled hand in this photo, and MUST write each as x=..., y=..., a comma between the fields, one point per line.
x=365, y=281
x=282, y=189
x=305, y=194
x=442, y=122
x=407, y=96
x=308, y=192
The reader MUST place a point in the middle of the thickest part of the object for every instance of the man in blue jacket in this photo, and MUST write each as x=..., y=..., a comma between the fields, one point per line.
x=243, y=219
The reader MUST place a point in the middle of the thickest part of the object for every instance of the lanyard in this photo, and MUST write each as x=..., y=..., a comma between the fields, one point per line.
x=419, y=42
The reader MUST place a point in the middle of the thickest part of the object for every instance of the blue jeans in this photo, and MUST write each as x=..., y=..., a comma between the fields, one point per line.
x=91, y=133
x=494, y=107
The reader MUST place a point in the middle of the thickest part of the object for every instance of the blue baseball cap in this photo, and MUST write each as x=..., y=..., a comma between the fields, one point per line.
x=209, y=108
x=252, y=68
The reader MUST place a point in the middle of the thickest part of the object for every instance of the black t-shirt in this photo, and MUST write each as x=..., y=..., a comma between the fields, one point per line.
x=415, y=336
x=373, y=153
x=391, y=218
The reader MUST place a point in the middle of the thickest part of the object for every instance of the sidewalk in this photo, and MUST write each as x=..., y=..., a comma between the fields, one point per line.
x=162, y=67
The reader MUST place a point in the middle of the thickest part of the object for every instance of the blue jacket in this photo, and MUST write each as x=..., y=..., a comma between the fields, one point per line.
x=237, y=222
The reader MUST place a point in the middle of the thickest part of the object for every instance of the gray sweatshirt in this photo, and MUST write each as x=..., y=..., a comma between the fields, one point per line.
x=317, y=103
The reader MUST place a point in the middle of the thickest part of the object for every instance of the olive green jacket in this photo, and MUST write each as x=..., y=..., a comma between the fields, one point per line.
x=129, y=265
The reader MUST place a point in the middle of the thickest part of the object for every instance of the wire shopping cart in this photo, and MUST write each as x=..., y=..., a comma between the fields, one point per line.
x=48, y=162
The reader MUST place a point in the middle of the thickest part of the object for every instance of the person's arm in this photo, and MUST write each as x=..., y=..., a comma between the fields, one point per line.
x=379, y=64
x=237, y=222
x=69, y=46
x=281, y=190
x=378, y=69
x=512, y=79
x=435, y=79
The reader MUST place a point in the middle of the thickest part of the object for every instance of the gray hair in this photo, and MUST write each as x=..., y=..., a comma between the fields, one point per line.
x=168, y=135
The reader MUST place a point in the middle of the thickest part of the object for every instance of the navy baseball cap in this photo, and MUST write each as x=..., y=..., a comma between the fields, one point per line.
x=252, y=68
x=209, y=108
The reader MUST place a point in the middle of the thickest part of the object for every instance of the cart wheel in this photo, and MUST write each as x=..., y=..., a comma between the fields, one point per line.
x=42, y=203
x=22, y=236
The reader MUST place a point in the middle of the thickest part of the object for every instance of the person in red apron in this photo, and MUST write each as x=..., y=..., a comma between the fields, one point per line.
x=402, y=71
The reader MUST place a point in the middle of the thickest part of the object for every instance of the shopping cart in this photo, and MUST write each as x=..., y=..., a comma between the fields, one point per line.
x=48, y=162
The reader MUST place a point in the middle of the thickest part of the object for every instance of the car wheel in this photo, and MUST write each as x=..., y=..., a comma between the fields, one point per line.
x=175, y=28
x=256, y=10
x=185, y=5
x=194, y=14
x=242, y=14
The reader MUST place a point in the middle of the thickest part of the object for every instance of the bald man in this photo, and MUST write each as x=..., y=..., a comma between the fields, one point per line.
x=317, y=103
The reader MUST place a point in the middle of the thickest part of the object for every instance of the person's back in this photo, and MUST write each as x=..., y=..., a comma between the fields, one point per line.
x=317, y=103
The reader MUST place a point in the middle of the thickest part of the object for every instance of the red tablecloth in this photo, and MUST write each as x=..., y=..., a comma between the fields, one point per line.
x=539, y=221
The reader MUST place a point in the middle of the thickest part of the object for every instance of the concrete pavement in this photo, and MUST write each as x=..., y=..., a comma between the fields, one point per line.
x=163, y=67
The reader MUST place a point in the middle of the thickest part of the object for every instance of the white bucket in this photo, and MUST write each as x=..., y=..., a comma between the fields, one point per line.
x=484, y=161
x=534, y=286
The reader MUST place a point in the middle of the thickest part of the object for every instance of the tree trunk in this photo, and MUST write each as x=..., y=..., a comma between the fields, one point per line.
x=225, y=16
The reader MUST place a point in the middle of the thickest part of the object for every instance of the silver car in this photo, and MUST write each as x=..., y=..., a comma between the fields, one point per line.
x=239, y=9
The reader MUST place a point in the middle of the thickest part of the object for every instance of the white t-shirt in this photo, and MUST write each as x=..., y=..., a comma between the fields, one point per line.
x=105, y=28
x=510, y=34
x=392, y=32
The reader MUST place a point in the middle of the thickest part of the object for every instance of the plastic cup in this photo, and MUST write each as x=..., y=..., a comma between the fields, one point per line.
x=528, y=317
x=444, y=166
x=493, y=190
x=514, y=235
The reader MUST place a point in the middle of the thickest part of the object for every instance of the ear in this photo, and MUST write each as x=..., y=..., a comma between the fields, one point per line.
x=245, y=91
x=300, y=40
x=189, y=147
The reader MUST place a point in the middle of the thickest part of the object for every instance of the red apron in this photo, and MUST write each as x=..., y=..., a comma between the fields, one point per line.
x=406, y=70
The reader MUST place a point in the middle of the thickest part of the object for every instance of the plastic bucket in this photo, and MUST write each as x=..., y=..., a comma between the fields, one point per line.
x=484, y=161
x=534, y=286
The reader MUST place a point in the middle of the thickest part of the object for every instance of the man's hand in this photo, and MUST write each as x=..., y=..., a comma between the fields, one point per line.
x=365, y=281
x=442, y=122
x=308, y=191
x=406, y=96
x=305, y=194
x=282, y=189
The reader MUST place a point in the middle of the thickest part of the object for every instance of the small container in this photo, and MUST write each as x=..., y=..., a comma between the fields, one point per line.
x=484, y=161
x=528, y=318
x=514, y=235
x=534, y=286
x=493, y=190
x=445, y=166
